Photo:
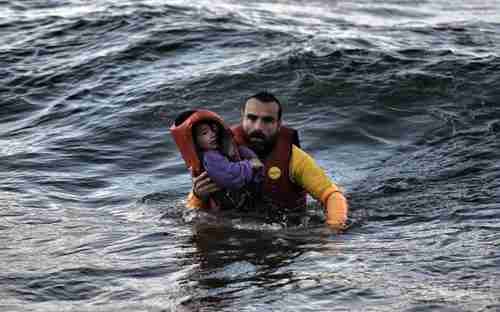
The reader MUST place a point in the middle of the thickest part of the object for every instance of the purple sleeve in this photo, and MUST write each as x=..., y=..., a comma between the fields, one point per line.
x=225, y=173
x=246, y=153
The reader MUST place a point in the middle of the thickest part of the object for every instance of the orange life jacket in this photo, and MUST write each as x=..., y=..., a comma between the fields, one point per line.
x=183, y=137
x=278, y=191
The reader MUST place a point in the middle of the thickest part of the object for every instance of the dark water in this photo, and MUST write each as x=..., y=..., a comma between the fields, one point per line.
x=398, y=100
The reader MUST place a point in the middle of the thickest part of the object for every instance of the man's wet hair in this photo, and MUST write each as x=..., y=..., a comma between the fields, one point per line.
x=264, y=97
x=183, y=116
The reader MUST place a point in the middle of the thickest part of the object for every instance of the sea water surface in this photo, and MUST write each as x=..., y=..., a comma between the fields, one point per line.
x=399, y=101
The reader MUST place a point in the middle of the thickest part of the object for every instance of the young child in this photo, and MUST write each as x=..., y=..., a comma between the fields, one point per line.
x=220, y=165
x=235, y=169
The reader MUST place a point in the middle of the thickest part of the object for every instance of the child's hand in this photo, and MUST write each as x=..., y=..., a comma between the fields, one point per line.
x=256, y=163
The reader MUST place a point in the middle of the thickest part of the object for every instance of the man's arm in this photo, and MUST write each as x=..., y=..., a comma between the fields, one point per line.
x=305, y=172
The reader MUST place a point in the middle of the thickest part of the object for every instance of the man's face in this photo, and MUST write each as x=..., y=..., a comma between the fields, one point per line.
x=261, y=124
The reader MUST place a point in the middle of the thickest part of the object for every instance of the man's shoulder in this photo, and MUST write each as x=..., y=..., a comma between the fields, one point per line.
x=298, y=150
x=299, y=155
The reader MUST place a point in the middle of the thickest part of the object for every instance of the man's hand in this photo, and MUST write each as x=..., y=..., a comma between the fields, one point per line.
x=336, y=212
x=203, y=186
x=339, y=227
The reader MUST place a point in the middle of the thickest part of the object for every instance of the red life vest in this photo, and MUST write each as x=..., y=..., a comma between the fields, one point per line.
x=278, y=190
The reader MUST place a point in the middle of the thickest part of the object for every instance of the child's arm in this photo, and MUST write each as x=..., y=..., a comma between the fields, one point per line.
x=246, y=153
x=227, y=174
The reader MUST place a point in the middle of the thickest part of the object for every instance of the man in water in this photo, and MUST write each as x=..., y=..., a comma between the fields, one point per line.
x=290, y=173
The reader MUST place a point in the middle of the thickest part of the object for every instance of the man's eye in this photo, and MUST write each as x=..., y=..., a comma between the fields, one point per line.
x=267, y=119
x=252, y=117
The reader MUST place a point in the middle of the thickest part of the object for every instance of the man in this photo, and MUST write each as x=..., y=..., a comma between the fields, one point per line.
x=290, y=173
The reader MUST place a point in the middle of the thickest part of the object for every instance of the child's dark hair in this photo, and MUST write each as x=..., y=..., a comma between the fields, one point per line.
x=183, y=116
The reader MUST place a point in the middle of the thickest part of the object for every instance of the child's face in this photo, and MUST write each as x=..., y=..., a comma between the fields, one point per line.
x=206, y=136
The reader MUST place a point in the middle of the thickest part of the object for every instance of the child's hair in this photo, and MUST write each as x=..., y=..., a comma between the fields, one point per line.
x=183, y=116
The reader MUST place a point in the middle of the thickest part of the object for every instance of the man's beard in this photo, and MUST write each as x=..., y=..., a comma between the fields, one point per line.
x=264, y=146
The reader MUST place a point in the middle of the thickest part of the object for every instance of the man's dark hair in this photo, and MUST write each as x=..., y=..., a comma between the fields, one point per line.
x=264, y=97
x=183, y=116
